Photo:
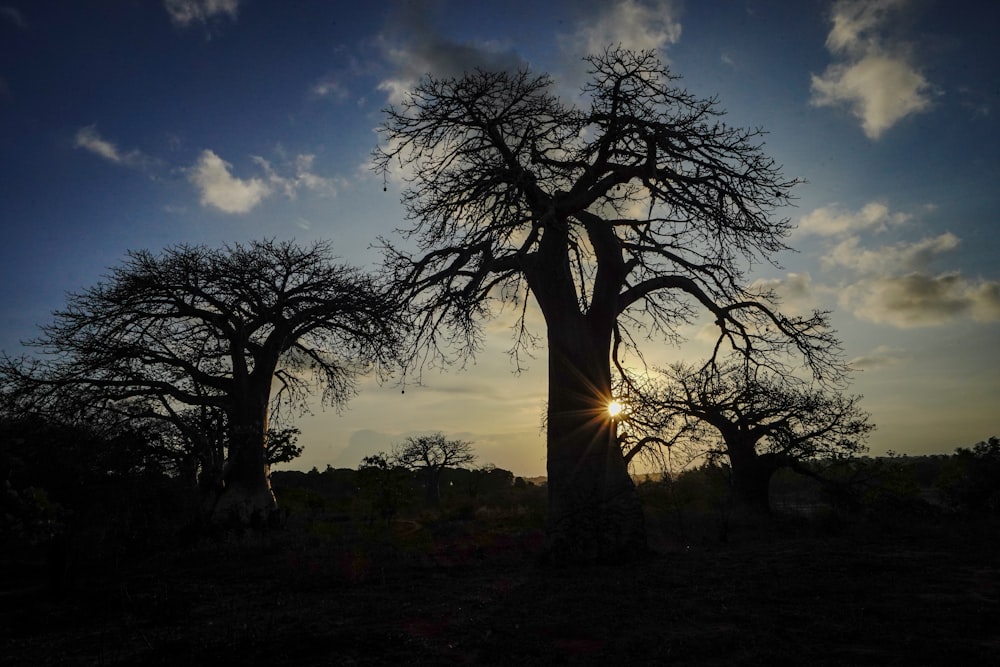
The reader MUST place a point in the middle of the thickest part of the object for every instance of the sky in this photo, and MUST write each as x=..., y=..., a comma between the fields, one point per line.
x=141, y=124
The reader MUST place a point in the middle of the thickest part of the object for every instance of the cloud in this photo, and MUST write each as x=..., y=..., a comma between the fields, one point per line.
x=881, y=357
x=918, y=299
x=632, y=24
x=893, y=284
x=890, y=259
x=874, y=77
x=795, y=292
x=301, y=177
x=219, y=189
x=831, y=221
x=414, y=48
x=89, y=139
x=13, y=16
x=329, y=88
x=184, y=13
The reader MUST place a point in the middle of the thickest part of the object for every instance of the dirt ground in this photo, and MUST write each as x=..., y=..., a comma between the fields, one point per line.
x=873, y=594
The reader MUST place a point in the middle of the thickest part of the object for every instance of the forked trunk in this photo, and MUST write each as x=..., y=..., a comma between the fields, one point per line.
x=594, y=511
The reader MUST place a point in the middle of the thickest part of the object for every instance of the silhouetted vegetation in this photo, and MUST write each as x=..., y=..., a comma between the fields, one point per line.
x=211, y=343
x=756, y=420
x=880, y=565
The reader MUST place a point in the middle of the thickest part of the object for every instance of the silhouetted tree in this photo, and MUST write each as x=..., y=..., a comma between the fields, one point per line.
x=970, y=481
x=759, y=422
x=228, y=332
x=624, y=219
x=429, y=455
x=384, y=484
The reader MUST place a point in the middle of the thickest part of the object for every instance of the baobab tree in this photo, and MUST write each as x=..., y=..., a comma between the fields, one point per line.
x=429, y=455
x=758, y=421
x=622, y=220
x=222, y=334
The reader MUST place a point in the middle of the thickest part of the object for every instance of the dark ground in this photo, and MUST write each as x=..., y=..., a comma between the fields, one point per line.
x=895, y=592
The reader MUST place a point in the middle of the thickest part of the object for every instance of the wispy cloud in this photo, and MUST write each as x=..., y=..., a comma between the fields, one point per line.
x=13, y=16
x=185, y=13
x=632, y=24
x=219, y=189
x=300, y=176
x=413, y=47
x=89, y=139
x=882, y=356
x=329, y=88
x=873, y=75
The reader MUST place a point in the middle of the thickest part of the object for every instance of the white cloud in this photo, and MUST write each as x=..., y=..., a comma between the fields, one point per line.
x=89, y=139
x=890, y=259
x=220, y=189
x=874, y=77
x=918, y=299
x=187, y=12
x=831, y=221
x=880, y=91
x=632, y=24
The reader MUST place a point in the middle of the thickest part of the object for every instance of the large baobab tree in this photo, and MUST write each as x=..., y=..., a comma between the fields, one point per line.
x=760, y=422
x=229, y=333
x=624, y=219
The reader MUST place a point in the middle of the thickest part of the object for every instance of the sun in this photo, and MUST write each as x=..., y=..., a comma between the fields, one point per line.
x=616, y=408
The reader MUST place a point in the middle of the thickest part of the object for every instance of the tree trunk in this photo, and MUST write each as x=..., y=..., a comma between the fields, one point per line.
x=594, y=511
x=432, y=487
x=751, y=477
x=246, y=494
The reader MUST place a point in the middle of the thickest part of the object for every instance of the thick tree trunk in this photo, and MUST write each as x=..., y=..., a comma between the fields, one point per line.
x=594, y=511
x=245, y=494
x=751, y=477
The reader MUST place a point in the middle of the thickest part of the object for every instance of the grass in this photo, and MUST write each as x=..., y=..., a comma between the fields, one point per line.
x=465, y=588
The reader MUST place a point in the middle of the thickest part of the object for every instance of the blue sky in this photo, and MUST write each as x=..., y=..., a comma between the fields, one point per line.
x=141, y=124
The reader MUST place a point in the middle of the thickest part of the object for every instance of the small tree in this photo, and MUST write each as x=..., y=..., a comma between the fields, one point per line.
x=231, y=333
x=760, y=422
x=429, y=455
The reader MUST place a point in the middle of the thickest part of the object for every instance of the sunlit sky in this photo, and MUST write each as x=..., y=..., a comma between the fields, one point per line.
x=128, y=124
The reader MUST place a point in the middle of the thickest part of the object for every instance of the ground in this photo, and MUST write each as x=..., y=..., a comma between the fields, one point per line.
x=471, y=591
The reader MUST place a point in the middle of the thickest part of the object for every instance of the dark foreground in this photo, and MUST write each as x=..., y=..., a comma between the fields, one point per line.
x=925, y=593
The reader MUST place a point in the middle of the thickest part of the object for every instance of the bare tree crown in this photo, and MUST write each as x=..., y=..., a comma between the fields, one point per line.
x=642, y=211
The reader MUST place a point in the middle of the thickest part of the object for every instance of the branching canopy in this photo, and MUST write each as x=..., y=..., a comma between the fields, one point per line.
x=636, y=213
x=195, y=331
x=709, y=411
